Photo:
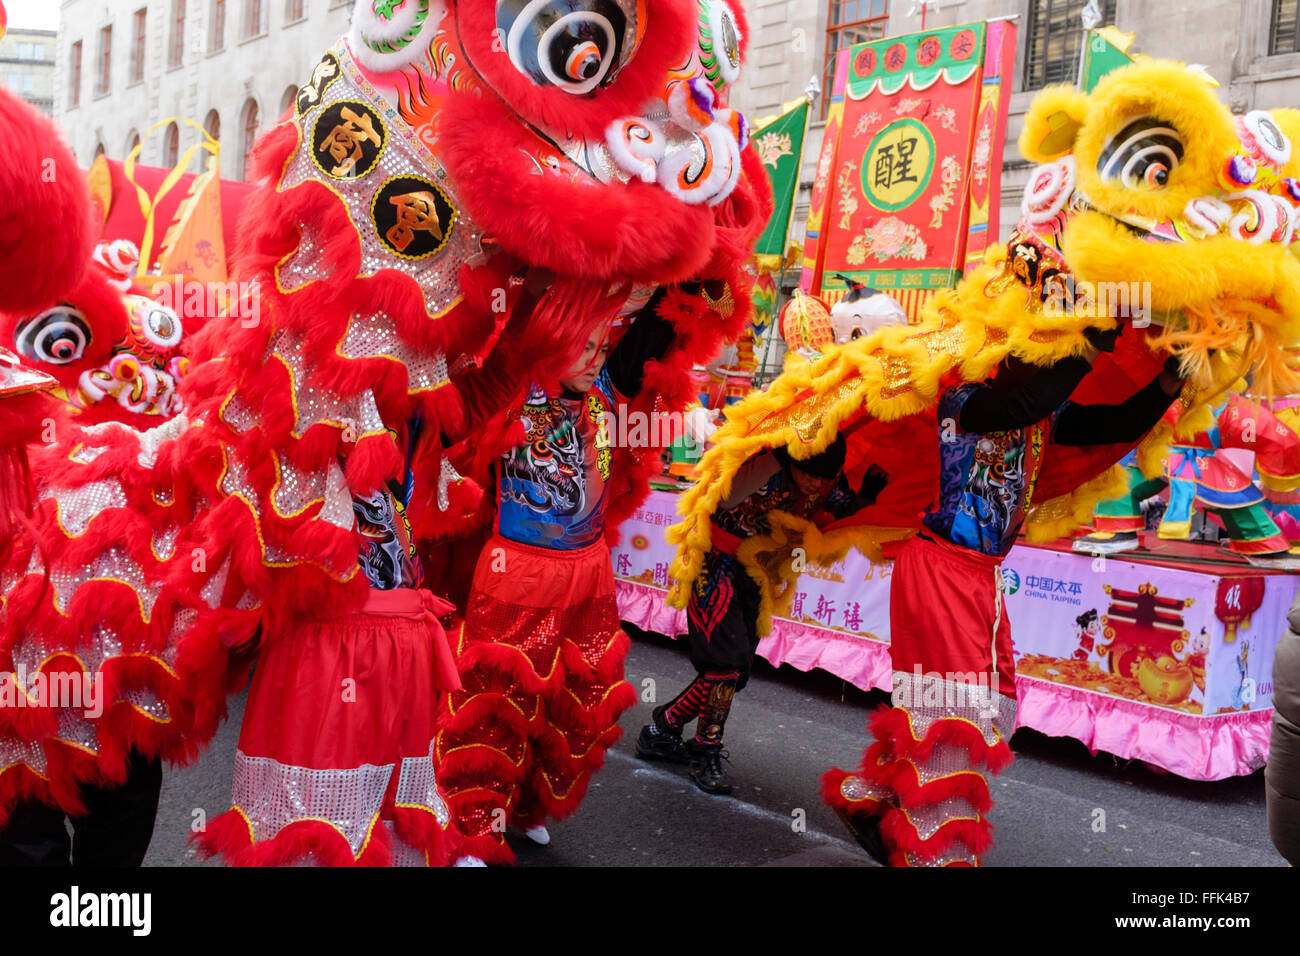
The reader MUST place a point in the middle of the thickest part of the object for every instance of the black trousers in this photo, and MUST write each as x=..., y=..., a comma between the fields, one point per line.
x=722, y=617
x=115, y=832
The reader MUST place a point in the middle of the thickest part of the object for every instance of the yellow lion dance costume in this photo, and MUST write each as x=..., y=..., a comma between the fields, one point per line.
x=1155, y=212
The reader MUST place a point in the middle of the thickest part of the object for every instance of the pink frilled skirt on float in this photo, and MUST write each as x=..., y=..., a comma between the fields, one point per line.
x=335, y=764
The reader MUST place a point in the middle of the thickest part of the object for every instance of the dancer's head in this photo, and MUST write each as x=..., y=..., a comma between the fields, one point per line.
x=584, y=372
x=815, y=475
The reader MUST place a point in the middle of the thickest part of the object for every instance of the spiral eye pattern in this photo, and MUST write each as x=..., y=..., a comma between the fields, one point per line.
x=57, y=336
x=1142, y=155
x=574, y=45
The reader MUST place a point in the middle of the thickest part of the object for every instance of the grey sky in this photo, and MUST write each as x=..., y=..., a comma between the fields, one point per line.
x=33, y=14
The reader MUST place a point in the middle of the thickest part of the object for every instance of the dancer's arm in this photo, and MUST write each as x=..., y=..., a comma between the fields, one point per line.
x=649, y=337
x=1013, y=401
x=1125, y=422
x=478, y=394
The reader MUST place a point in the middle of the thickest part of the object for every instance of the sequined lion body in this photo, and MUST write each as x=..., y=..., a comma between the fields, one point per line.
x=431, y=158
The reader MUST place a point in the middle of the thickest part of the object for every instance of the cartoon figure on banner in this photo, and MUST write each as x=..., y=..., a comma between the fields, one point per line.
x=1193, y=653
x=1087, y=630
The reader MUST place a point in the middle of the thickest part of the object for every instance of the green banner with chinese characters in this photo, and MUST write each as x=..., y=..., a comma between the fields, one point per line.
x=779, y=147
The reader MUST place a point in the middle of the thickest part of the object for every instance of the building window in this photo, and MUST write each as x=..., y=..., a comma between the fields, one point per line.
x=74, y=76
x=849, y=22
x=294, y=10
x=105, y=60
x=99, y=150
x=29, y=83
x=171, y=146
x=254, y=19
x=1283, y=34
x=137, y=47
x=31, y=51
x=217, y=36
x=251, y=120
x=1053, y=40
x=132, y=142
x=176, y=54
x=213, y=125
x=290, y=95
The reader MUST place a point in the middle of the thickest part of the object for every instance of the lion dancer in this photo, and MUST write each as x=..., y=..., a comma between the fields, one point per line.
x=921, y=796
x=541, y=650
x=724, y=607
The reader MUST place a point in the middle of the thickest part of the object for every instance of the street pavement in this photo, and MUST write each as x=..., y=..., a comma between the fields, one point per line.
x=1057, y=805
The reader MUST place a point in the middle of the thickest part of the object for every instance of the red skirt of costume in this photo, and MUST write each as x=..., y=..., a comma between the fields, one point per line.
x=953, y=710
x=540, y=656
x=335, y=761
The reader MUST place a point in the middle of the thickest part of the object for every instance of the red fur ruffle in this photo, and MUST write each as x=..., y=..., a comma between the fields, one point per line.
x=606, y=232
x=904, y=839
x=46, y=224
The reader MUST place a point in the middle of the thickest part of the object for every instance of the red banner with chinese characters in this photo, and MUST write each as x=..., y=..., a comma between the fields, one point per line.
x=908, y=183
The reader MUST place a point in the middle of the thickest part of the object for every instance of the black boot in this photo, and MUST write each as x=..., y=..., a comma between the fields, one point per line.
x=707, y=770
x=658, y=741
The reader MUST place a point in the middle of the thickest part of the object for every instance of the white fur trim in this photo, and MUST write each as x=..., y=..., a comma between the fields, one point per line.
x=718, y=9
x=722, y=178
x=369, y=31
x=1048, y=190
x=636, y=145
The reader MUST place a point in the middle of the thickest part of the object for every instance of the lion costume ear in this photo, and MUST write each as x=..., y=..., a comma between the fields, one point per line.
x=1288, y=121
x=1052, y=123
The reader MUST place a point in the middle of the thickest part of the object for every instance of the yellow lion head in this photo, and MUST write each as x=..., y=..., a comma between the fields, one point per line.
x=1151, y=184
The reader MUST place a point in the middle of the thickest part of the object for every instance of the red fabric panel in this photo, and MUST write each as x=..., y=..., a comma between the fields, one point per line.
x=125, y=221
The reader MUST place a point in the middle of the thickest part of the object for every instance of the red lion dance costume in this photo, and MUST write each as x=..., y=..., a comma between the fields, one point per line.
x=423, y=173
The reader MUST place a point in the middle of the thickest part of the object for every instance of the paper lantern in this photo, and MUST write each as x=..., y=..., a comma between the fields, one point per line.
x=1237, y=599
x=806, y=323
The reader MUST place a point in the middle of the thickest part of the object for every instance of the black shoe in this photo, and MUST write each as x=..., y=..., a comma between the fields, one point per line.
x=866, y=830
x=659, y=742
x=707, y=770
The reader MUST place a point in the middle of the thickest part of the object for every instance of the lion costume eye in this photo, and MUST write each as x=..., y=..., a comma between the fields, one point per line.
x=57, y=336
x=1142, y=155
x=575, y=45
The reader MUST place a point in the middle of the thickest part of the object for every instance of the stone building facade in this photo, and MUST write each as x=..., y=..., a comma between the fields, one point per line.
x=27, y=66
x=230, y=65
